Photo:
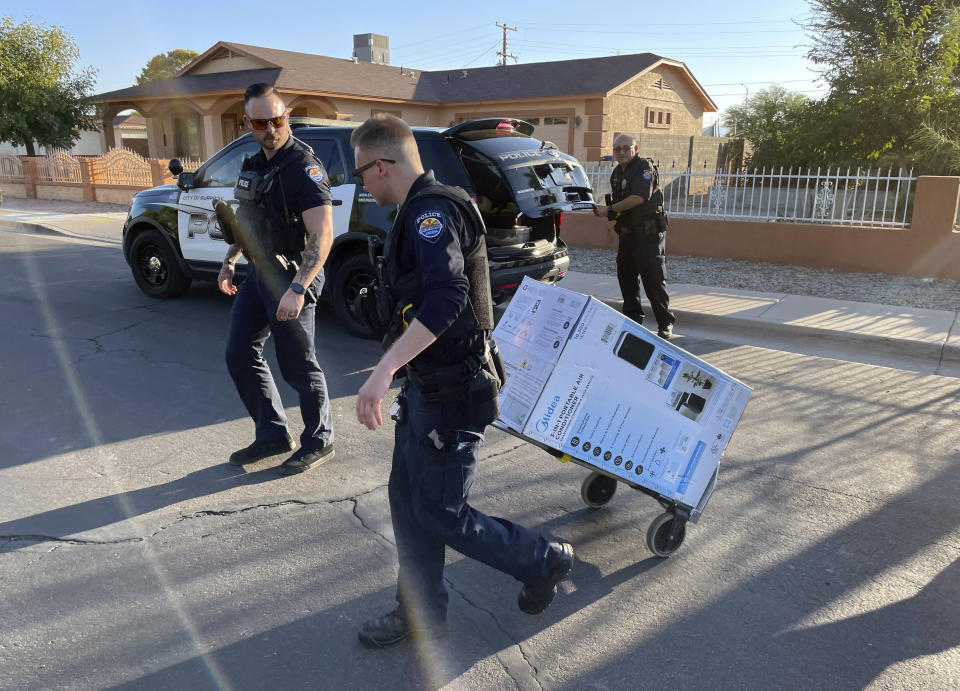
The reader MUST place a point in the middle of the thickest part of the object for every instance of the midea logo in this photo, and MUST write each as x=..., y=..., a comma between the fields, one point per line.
x=544, y=422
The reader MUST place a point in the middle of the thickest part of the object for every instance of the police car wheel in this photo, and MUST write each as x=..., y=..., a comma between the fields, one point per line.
x=355, y=273
x=155, y=268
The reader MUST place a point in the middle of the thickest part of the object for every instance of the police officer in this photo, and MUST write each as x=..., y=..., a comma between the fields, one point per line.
x=637, y=207
x=436, y=267
x=293, y=216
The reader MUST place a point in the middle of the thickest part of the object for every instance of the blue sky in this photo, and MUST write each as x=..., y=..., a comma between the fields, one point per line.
x=732, y=48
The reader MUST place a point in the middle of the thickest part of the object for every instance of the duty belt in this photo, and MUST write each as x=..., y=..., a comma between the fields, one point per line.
x=446, y=382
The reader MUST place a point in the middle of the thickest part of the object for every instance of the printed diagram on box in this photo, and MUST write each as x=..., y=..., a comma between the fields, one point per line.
x=692, y=391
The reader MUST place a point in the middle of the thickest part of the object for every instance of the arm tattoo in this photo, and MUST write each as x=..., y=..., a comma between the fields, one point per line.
x=311, y=255
x=233, y=254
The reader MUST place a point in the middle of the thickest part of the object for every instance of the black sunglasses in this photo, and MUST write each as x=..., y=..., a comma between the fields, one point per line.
x=358, y=173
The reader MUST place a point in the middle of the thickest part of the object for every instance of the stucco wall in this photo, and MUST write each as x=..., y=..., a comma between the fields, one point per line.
x=72, y=193
x=13, y=189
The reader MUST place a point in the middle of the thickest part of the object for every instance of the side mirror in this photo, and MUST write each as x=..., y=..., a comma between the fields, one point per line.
x=336, y=179
x=175, y=167
x=185, y=181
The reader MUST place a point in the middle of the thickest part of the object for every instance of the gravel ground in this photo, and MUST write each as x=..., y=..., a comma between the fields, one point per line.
x=902, y=291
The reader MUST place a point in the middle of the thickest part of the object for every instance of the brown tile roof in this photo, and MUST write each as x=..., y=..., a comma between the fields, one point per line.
x=308, y=72
x=131, y=120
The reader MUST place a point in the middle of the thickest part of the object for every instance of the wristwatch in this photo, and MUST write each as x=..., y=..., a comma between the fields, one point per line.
x=298, y=288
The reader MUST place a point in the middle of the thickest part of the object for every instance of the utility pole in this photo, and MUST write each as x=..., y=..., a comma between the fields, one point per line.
x=504, y=54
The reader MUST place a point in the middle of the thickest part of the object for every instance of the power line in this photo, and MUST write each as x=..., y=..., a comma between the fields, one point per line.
x=486, y=50
x=644, y=25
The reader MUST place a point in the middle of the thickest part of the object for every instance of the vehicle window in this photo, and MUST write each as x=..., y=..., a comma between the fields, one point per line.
x=223, y=171
x=328, y=151
x=437, y=155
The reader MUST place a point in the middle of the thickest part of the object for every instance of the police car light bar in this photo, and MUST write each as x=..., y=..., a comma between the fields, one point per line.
x=507, y=125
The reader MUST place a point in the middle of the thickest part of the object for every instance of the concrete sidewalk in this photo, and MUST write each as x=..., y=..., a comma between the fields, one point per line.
x=920, y=339
x=927, y=340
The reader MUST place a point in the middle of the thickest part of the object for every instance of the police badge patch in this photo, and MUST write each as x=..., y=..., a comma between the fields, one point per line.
x=314, y=173
x=430, y=225
x=646, y=175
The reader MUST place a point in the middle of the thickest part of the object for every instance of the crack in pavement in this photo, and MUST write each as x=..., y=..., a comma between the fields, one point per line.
x=519, y=646
x=506, y=665
x=506, y=451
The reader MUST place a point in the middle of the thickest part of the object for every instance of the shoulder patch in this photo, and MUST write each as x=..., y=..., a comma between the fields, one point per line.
x=314, y=172
x=646, y=175
x=430, y=225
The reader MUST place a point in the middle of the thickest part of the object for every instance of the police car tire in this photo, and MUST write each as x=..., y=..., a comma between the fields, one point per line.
x=155, y=267
x=352, y=275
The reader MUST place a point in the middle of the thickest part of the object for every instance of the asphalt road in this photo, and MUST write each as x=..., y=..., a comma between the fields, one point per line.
x=132, y=556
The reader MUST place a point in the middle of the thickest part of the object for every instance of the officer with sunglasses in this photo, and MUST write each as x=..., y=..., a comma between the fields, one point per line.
x=636, y=204
x=435, y=261
x=284, y=197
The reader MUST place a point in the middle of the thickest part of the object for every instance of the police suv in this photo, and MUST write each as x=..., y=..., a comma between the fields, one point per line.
x=522, y=186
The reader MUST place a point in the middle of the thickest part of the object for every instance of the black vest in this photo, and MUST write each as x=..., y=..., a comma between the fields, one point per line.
x=468, y=333
x=621, y=185
x=271, y=215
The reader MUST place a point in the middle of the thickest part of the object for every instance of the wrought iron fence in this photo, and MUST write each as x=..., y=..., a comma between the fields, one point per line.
x=832, y=196
x=11, y=167
x=58, y=166
x=120, y=167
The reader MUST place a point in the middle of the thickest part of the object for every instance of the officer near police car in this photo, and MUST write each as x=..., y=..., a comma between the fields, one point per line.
x=435, y=267
x=284, y=198
x=636, y=204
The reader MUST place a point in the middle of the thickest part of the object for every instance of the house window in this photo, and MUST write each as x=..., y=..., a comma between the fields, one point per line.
x=533, y=121
x=659, y=119
x=555, y=121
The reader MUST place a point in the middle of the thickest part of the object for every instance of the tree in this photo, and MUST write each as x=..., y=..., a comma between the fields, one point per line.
x=769, y=119
x=165, y=65
x=42, y=98
x=891, y=66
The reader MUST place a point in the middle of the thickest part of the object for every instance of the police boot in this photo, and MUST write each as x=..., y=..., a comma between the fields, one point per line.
x=259, y=450
x=393, y=628
x=536, y=597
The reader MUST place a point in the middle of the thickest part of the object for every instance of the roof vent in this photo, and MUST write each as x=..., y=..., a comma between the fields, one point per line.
x=464, y=75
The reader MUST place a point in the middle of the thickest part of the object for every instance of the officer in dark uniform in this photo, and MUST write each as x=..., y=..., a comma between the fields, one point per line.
x=284, y=196
x=436, y=269
x=637, y=207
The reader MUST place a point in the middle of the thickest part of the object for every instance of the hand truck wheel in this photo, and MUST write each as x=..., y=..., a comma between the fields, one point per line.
x=663, y=537
x=597, y=490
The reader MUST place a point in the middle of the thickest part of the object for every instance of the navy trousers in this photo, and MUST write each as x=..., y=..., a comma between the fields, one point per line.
x=252, y=321
x=642, y=258
x=428, y=492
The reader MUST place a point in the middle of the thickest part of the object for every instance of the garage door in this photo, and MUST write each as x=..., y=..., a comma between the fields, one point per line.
x=553, y=128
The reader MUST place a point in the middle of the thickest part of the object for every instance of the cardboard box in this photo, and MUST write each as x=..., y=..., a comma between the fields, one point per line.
x=586, y=381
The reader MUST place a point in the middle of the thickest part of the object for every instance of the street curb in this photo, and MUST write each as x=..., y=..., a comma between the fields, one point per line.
x=931, y=354
x=31, y=227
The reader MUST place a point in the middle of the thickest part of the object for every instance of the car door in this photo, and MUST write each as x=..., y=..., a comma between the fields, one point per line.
x=198, y=230
x=342, y=186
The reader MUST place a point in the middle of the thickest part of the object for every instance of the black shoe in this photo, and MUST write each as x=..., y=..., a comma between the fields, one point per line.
x=665, y=332
x=536, y=597
x=262, y=449
x=305, y=459
x=393, y=628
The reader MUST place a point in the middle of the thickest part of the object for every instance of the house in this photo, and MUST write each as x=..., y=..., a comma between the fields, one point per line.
x=580, y=105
